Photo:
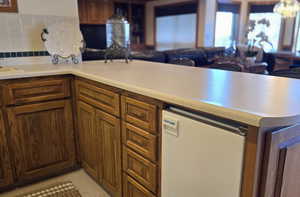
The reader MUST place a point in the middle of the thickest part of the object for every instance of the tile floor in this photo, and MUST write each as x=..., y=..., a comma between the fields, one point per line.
x=86, y=186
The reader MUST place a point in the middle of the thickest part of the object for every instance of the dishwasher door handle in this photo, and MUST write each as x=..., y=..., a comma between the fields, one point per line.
x=235, y=128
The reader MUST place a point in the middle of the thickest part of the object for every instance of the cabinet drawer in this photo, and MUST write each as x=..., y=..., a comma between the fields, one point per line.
x=131, y=188
x=140, y=114
x=141, y=169
x=106, y=100
x=140, y=141
x=36, y=91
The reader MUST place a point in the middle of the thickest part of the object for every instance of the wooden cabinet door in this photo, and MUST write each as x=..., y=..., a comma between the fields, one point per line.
x=6, y=177
x=90, y=146
x=42, y=139
x=110, y=136
x=281, y=176
x=82, y=11
x=98, y=11
x=132, y=188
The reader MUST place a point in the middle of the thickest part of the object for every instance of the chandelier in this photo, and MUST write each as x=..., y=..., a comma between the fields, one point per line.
x=287, y=8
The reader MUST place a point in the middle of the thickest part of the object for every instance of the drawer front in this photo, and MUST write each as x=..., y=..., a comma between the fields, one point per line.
x=131, y=188
x=140, y=141
x=36, y=91
x=106, y=100
x=141, y=169
x=140, y=114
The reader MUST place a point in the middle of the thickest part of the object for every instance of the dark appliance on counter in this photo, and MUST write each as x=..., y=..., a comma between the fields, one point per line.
x=95, y=39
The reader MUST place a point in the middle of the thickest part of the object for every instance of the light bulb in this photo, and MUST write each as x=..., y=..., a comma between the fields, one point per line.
x=287, y=8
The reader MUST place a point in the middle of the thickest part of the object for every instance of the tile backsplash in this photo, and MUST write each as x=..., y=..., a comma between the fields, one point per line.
x=20, y=34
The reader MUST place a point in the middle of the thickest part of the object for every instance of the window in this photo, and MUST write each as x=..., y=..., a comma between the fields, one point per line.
x=297, y=27
x=176, y=26
x=267, y=24
x=174, y=32
x=226, y=24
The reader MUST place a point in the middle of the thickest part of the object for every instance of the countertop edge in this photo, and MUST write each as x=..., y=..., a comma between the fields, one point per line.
x=236, y=115
x=248, y=118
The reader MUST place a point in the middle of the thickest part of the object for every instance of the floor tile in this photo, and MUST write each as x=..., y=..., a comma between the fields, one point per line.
x=85, y=184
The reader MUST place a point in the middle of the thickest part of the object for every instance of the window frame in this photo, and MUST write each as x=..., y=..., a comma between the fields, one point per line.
x=176, y=4
x=267, y=2
x=10, y=6
x=239, y=4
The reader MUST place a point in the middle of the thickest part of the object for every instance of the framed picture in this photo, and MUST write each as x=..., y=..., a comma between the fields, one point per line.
x=8, y=6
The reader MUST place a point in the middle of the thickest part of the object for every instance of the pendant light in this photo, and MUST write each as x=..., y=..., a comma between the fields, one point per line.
x=287, y=8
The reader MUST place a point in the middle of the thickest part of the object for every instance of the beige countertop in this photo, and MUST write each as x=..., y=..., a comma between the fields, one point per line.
x=255, y=100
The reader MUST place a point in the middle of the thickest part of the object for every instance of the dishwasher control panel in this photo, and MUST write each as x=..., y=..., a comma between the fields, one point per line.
x=170, y=126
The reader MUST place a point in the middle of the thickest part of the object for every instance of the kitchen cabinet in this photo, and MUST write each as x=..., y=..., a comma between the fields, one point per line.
x=139, y=113
x=42, y=139
x=89, y=139
x=131, y=188
x=140, y=169
x=110, y=140
x=95, y=11
x=281, y=170
x=82, y=12
x=6, y=177
x=141, y=151
x=100, y=135
x=36, y=90
x=98, y=97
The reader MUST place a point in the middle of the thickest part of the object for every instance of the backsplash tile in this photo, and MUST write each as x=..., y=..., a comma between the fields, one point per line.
x=24, y=54
x=20, y=35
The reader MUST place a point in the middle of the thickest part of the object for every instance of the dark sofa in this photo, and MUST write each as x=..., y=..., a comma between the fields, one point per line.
x=292, y=70
x=201, y=56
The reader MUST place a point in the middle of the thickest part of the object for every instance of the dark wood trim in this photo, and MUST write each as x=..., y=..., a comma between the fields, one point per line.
x=100, y=85
x=6, y=176
x=278, y=144
x=75, y=120
x=131, y=1
x=13, y=7
x=266, y=2
x=250, y=161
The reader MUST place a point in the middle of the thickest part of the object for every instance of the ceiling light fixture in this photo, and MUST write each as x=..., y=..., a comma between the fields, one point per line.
x=287, y=8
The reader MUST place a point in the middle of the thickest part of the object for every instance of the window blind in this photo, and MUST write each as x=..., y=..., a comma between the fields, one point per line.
x=186, y=8
x=225, y=7
x=261, y=8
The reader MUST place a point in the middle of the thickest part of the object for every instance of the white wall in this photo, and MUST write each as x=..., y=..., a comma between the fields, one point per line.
x=21, y=31
x=206, y=20
x=48, y=7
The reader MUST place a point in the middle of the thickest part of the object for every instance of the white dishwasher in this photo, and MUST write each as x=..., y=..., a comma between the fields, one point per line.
x=201, y=156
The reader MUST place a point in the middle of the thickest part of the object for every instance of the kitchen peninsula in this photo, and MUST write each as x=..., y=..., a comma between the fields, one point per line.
x=106, y=118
